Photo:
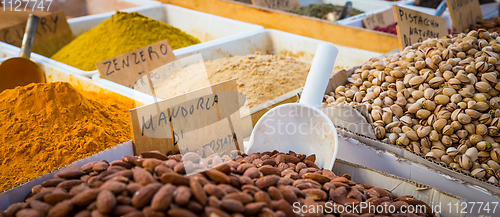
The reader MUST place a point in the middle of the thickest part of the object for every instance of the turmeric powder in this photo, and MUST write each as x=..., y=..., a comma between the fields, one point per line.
x=49, y=125
x=122, y=33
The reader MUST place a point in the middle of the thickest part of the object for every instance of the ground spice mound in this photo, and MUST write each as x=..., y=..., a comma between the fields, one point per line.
x=122, y=33
x=259, y=77
x=49, y=125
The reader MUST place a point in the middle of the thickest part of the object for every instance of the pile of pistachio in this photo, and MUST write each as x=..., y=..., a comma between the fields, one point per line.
x=439, y=98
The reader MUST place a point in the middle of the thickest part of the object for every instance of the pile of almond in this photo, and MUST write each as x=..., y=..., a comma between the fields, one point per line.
x=154, y=184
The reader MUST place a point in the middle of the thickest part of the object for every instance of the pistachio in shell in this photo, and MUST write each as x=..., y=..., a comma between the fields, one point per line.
x=423, y=113
x=379, y=132
x=462, y=134
x=387, y=117
x=446, y=140
x=483, y=145
x=439, y=125
x=446, y=159
x=475, y=138
x=376, y=115
x=431, y=119
x=481, y=129
x=448, y=130
x=436, y=82
x=478, y=172
x=402, y=141
x=465, y=162
x=481, y=67
x=412, y=135
x=492, y=131
x=414, y=107
x=444, y=114
x=424, y=131
x=472, y=153
x=429, y=105
x=397, y=110
x=495, y=155
x=451, y=151
x=473, y=113
x=431, y=155
x=482, y=86
x=406, y=120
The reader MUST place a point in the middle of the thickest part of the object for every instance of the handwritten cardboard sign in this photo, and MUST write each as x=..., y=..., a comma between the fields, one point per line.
x=277, y=4
x=206, y=117
x=52, y=33
x=128, y=68
x=464, y=13
x=382, y=19
x=414, y=26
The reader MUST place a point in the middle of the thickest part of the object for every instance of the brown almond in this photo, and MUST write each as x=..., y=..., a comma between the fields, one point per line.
x=215, y=212
x=124, y=200
x=310, y=164
x=316, y=194
x=134, y=214
x=286, y=208
x=231, y=205
x=311, y=158
x=78, y=189
x=106, y=201
x=40, y=206
x=133, y=187
x=175, y=179
x=87, y=168
x=239, y=196
x=212, y=189
x=144, y=195
x=252, y=172
x=269, y=170
x=122, y=164
x=262, y=196
x=254, y=208
x=142, y=176
x=163, y=198
x=161, y=169
x=179, y=168
x=70, y=173
x=182, y=195
x=154, y=154
x=266, y=181
x=274, y=193
x=62, y=209
x=344, y=200
x=270, y=162
x=100, y=166
x=28, y=213
x=83, y=213
x=67, y=185
x=86, y=197
x=198, y=192
x=180, y=212
x=217, y=176
x=243, y=167
x=290, y=159
x=51, y=183
x=151, y=163
x=225, y=168
x=288, y=194
x=56, y=197
x=213, y=202
x=114, y=186
x=121, y=210
x=355, y=194
x=317, y=177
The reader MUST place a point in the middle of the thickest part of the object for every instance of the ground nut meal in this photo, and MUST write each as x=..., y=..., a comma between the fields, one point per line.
x=155, y=184
x=439, y=98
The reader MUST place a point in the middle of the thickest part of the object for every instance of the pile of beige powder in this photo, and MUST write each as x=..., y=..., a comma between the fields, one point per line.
x=259, y=77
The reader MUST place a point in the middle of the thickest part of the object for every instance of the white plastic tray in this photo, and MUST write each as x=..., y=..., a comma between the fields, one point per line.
x=205, y=27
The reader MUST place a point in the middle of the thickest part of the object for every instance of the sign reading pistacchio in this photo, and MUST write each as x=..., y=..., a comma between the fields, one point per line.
x=464, y=13
x=129, y=68
x=277, y=4
x=414, y=26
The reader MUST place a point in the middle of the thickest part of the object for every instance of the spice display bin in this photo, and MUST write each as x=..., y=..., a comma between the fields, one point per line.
x=205, y=27
x=78, y=8
x=355, y=125
x=396, y=184
x=267, y=42
x=296, y=24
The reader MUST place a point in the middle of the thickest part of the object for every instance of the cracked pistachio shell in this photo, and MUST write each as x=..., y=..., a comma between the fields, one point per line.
x=423, y=113
x=425, y=142
x=481, y=129
x=455, y=113
x=452, y=151
x=481, y=67
x=429, y=93
x=483, y=145
x=446, y=159
x=462, y=148
x=456, y=166
x=490, y=78
x=462, y=78
x=465, y=162
x=436, y=82
x=414, y=108
x=485, y=119
x=405, y=129
x=493, y=164
x=495, y=155
x=475, y=138
x=473, y=153
x=412, y=135
x=432, y=119
x=401, y=101
x=387, y=117
x=402, y=141
x=396, y=130
x=444, y=114
x=439, y=124
x=466, y=92
x=478, y=172
x=406, y=120
x=431, y=155
x=493, y=180
x=429, y=105
x=448, y=130
x=442, y=99
x=393, y=124
x=446, y=140
x=462, y=134
x=379, y=132
x=456, y=125
x=423, y=131
x=416, y=81
x=397, y=110
x=482, y=86
x=376, y=115
x=462, y=105
x=439, y=153
x=473, y=113
x=414, y=147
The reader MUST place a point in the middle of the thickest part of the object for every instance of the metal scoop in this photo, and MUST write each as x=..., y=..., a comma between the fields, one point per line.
x=302, y=127
x=19, y=71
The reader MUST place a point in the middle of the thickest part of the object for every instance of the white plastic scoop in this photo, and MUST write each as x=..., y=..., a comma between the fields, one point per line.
x=302, y=127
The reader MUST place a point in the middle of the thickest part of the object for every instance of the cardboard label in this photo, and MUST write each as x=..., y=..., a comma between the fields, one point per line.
x=464, y=13
x=206, y=117
x=277, y=4
x=414, y=26
x=382, y=19
x=128, y=68
x=52, y=33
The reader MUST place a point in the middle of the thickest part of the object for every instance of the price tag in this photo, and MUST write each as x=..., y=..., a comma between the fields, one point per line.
x=278, y=4
x=414, y=26
x=205, y=117
x=382, y=19
x=52, y=33
x=128, y=68
x=464, y=13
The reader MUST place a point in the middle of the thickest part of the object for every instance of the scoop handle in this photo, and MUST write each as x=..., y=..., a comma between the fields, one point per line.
x=440, y=9
x=317, y=80
x=29, y=35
